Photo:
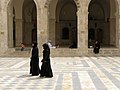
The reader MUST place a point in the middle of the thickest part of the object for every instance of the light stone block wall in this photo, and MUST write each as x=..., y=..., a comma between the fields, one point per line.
x=43, y=27
x=3, y=28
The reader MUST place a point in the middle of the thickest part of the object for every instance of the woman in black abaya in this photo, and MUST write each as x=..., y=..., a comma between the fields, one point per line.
x=34, y=63
x=46, y=70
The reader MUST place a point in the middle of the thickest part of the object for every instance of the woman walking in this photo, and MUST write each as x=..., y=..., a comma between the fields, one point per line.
x=46, y=70
x=34, y=63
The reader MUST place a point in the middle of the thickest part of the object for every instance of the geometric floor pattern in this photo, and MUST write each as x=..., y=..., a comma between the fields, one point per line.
x=70, y=73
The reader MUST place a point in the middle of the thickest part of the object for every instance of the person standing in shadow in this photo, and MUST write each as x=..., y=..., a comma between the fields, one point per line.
x=96, y=47
x=22, y=47
x=46, y=70
x=34, y=63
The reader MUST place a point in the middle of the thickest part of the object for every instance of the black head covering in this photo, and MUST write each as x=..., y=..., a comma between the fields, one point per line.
x=35, y=44
x=45, y=46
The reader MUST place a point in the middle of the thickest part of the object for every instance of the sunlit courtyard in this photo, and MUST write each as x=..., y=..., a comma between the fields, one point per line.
x=70, y=73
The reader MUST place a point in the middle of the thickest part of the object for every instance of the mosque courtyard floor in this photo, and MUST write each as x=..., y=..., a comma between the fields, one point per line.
x=70, y=73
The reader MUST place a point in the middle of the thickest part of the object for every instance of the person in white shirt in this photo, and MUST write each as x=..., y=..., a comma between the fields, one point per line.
x=50, y=44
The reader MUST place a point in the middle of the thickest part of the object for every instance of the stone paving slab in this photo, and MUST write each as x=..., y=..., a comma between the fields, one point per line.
x=70, y=73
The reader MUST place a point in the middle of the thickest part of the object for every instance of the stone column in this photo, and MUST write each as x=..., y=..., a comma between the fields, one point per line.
x=42, y=27
x=18, y=5
x=52, y=20
x=83, y=27
x=112, y=31
x=52, y=30
x=118, y=31
x=10, y=29
x=118, y=26
x=18, y=31
x=3, y=30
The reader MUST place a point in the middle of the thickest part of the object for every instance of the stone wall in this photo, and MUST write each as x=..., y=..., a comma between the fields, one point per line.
x=43, y=28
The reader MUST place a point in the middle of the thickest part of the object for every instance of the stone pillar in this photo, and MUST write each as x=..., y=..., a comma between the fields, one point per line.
x=118, y=26
x=42, y=27
x=52, y=20
x=10, y=30
x=52, y=30
x=18, y=5
x=112, y=31
x=118, y=31
x=18, y=31
x=3, y=30
x=83, y=27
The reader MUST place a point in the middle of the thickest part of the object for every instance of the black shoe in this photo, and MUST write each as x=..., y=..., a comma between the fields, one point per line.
x=35, y=74
x=49, y=76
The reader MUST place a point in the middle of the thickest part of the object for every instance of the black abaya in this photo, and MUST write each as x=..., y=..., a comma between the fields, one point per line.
x=96, y=48
x=34, y=63
x=46, y=70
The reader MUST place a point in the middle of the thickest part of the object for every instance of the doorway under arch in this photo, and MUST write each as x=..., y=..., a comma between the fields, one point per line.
x=63, y=23
x=22, y=22
x=29, y=14
x=102, y=20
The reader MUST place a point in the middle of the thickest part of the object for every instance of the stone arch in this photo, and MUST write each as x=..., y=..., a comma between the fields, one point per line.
x=95, y=20
x=9, y=1
x=66, y=18
x=100, y=9
x=36, y=3
x=16, y=30
x=47, y=3
x=54, y=19
x=107, y=24
x=29, y=14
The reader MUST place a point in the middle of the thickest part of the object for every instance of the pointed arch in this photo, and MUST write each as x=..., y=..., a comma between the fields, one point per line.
x=47, y=3
x=29, y=14
x=104, y=21
x=17, y=22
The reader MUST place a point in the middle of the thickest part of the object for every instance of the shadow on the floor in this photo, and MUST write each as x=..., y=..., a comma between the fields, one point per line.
x=24, y=76
x=32, y=77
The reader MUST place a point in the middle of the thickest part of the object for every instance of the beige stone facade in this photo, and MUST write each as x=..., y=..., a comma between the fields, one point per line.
x=63, y=22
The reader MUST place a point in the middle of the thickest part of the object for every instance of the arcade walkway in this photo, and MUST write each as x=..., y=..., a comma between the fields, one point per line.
x=70, y=73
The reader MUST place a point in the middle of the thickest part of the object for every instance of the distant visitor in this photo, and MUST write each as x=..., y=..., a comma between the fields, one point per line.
x=96, y=47
x=22, y=47
x=50, y=44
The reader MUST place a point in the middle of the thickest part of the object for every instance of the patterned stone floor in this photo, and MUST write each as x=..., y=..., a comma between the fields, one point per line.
x=71, y=73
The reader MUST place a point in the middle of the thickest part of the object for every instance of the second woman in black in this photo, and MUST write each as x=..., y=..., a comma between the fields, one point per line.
x=46, y=70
